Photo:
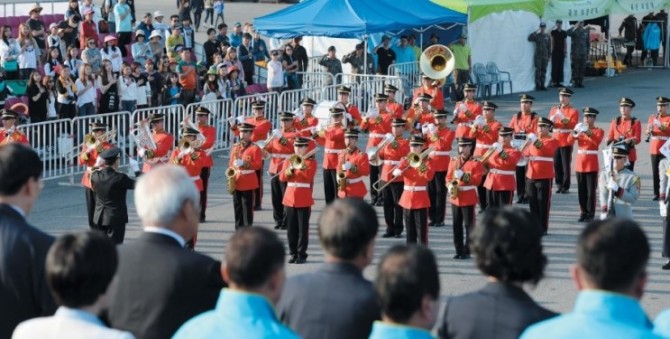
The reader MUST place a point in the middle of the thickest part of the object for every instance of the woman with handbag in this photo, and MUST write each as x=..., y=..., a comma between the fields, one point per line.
x=9, y=53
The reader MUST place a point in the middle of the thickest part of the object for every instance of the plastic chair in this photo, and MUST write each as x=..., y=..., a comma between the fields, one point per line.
x=483, y=80
x=499, y=78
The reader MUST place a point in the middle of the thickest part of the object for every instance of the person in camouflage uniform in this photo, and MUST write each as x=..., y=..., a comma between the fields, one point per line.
x=542, y=42
x=579, y=51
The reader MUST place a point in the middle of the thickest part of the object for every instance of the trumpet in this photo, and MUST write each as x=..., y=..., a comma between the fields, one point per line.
x=414, y=160
x=372, y=152
x=200, y=139
x=297, y=161
x=651, y=128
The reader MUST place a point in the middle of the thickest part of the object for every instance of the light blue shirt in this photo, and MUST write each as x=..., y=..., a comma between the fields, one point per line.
x=237, y=314
x=597, y=314
x=235, y=39
x=404, y=54
x=384, y=330
x=662, y=324
x=123, y=25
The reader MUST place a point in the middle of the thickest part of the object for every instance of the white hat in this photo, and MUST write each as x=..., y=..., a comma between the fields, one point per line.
x=140, y=32
x=157, y=14
x=155, y=33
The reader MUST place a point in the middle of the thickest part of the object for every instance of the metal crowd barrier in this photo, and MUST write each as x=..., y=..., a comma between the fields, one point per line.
x=174, y=115
x=313, y=64
x=53, y=143
x=242, y=105
x=409, y=72
x=221, y=111
x=290, y=100
x=316, y=79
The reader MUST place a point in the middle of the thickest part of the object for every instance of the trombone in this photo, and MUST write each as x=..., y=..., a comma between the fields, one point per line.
x=372, y=152
x=414, y=160
x=297, y=161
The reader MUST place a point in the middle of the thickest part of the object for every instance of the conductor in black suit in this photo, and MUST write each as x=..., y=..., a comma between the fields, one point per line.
x=160, y=283
x=110, y=187
x=337, y=294
x=24, y=293
x=508, y=248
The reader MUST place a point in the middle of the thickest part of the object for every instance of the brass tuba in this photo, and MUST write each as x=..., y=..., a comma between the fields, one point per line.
x=437, y=62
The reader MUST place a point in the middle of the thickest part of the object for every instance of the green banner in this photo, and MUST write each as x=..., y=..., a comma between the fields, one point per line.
x=638, y=6
x=576, y=9
x=479, y=11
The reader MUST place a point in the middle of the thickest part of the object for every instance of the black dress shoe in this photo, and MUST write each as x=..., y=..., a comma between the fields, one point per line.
x=388, y=235
x=526, y=200
x=277, y=227
x=666, y=266
x=559, y=191
x=458, y=256
x=655, y=198
x=379, y=203
x=258, y=208
x=431, y=224
x=581, y=218
x=519, y=200
x=466, y=256
x=439, y=224
x=202, y=219
x=293, y=259
x=565, y=191
x=398, y=236
x=301, y=260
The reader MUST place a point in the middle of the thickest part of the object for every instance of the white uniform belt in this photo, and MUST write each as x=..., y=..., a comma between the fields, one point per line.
x=441, y=153
x=195, y=178
x=332, y=151
x=377, y=135
x=414, y=188
x=659, y=138
x=562, y=130
x=586, y=151
x=534, y=158
x=281, y=156
x=298, y=184
x=497, y=171
x=391, y=162
x=483, y=146
x=466, y=188
x=247, y=171
x=355, y=180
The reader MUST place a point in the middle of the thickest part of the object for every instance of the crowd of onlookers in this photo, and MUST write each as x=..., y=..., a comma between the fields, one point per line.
x=80, y=285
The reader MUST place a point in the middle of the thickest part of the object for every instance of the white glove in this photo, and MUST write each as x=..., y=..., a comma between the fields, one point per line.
x=240, y=120
x=299, y=115
x=238, y=163
x=276, y=133
x=613, y=185
x=585, y=128
x=497, y=146
x=661, y=207
x=141, y=152
x=373, y=113
x=480, y=121
x=458, y=174
x=417, y=125
x=348, y=117
x=603, y=215
x=134, y=165
x=657, y=123
x=312, y=130
x=558, y=116
x=578, y=127
x=389, y=137
x=346, y=166
x=396, y=172
x=424, y=129
x=432, y=128
x=532, y=137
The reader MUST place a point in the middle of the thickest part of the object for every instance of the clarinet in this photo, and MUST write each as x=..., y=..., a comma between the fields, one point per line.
x=650, y=129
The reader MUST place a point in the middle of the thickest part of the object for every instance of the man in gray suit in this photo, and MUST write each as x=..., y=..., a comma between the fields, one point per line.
x=337, y=294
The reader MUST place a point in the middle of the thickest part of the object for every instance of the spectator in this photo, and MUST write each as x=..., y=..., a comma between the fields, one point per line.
x=275, y=81
x=92, y=56
x=222, y=81
x=172, y=42
x=73, y=61
x=67, y=108
x=197, y=8
x=254, y=269
x=89, y=29
x=156, y=81
x=347, y=230
x=260, y=50
x=462, y=62
x=245, y=53
x=124, y=27
x=236, y=36
x=36, y=28
x=412, y=44
x=332, y=65
x=79, y=269
x=73, y=10
x=88, y=5
x=141, y=51
x=211, y=46
x=50, y=84
x=211, y=86
x=611, y=275
x=218, y=9
x=167, y=203
x=385, y=55
x=127, y=90
x=107, y=85
x=37, y=98
x=156, y=45
x=112, y=53
x=188, y=33
x=53, y=60
x=4, y=89
x=231, y=60
x=290, y=68
x=29, y=54
x=159, y=25
x=358, y=60
x=55, y=39
x=170, y=92
x=209, y=13
x=185, y=10
x=408, y=287
x=403, y=52
x=9, y=53
x=508, y=248
x=300, y=55
x=70, y=32
x=86, y=90
x=234, y=83
x=146, y=25
x=23, y=248
x=187, y=78
x=108, y=13
x=434, y=40
x=222, y=36
x=174, y=23
x=143, y=86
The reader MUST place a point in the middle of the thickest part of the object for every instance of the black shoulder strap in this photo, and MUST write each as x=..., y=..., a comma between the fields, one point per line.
x=618, y=120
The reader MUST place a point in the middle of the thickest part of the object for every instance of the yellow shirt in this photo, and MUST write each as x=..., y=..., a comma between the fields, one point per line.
x=461, y=55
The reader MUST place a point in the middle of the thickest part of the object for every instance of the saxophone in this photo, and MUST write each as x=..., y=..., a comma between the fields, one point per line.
x=342, y=175
x=453, y=184
x=231, y=172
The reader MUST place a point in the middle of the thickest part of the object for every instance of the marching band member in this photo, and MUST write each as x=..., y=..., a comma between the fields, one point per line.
x=354, y=165
x=565, y=118
x=392, y=154
x=435, y=92
x=209, y=132
x=298, y=201
x=440, y=137
x=466, y=111
x=332, y=138
x=501, y=178
x=353, y=113
x=305, y=119
x=420, y=114
x=619, y=187
x=658, y=132
x=280, y=149
x=626, y=128
x=246, y=158
x=262, y=127
x=588, y=138
x=414, y=199
x=523, y=123
x=163, y=140
x=89, y=158
x=540, y=150
x=9, y=132
x=484, y=129
x=462, y=179
x=396, y=108
x=378, y=123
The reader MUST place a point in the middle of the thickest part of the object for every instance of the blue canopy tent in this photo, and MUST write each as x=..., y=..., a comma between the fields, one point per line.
x=353, y=18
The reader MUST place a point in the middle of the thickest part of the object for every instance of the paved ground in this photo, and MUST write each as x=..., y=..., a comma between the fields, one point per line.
x=61, y=209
